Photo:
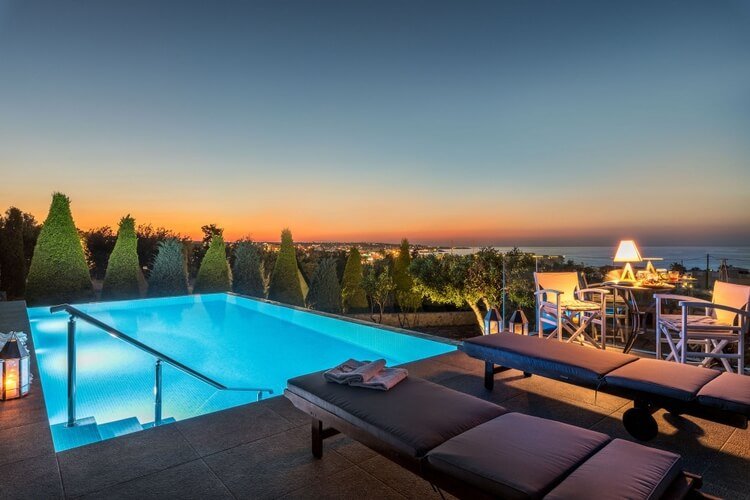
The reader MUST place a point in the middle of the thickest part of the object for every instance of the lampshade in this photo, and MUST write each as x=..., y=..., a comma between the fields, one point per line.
x=627, y=252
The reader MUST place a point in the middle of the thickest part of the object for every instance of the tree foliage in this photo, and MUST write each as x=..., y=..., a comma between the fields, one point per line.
x=123, y=270
x=100, y=242
x=12, y=258
x=247, y=276
x=285, y=281
x=379, y=286
x=58, y=271
x=353, y=295
x=325, y=291
x=169, y=273
x=149, y=240
x=214, y=274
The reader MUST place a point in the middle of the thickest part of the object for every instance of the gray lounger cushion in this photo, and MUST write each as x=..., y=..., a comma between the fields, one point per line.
x=622, y=470
x=414, y=417
x=663, y=378
x=548, y=358
x=728, y=391
x=516, y=455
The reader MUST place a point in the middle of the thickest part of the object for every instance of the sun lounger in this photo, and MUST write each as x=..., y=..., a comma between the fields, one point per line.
x=475, y=449
x=651, y=384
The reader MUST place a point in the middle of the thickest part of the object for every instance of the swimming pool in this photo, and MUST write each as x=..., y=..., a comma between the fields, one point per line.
x=237, y=341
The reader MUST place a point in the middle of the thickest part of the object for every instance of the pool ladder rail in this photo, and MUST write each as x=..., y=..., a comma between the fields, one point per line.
x=160, y=358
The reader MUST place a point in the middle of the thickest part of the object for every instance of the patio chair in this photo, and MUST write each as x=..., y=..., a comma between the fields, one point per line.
x=723, y=324
x=561, y=302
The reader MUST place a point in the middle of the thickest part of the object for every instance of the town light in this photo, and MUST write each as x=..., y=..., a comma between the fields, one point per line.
x=492, y=322
x=518, y=323
x=627, y=252
x=14, y=369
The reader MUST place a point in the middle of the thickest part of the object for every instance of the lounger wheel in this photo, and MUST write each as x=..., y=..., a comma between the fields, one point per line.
x=640, y=424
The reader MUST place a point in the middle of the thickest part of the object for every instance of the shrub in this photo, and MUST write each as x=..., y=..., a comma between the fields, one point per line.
x=121, y=279
x=58, y=271
x=285, y=283
x=214, y=274
x=246, y=272
x=100, y=242
x=353, y=296
x=325, y=291
x=169, y=273
x=12, y=260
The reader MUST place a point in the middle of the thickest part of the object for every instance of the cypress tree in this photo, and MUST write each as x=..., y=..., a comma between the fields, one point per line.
x=285, y=284
x=353, y=295
x=325, y=291
x=169, y=274
x=246, y=272
x=402, y=280
x=214, y=274
x=58, y=271
x=12, y=260
x=123, y=270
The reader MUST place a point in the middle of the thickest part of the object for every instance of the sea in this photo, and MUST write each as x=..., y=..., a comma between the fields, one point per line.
x=690, y=257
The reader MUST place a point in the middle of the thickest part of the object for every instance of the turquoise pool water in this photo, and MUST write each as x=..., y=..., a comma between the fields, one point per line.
x=236, y=341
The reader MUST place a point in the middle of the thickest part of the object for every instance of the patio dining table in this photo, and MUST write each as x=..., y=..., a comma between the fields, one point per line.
x=629, y=291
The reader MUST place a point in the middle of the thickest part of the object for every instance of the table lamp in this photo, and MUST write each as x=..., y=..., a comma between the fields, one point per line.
x=627, y=252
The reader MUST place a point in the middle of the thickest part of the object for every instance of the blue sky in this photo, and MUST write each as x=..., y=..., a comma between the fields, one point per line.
x=515, y=122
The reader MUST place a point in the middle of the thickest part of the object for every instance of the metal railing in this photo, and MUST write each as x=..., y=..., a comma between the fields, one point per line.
x=160, y=357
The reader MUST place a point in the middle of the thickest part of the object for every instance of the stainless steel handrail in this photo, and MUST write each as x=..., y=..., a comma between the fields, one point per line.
x=77, y=313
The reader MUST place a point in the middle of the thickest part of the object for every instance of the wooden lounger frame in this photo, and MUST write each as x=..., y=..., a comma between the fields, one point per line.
x=639, y=420
x=325, y=424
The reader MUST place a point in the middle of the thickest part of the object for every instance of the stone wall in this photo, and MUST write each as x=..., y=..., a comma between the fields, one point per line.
x=446, y=318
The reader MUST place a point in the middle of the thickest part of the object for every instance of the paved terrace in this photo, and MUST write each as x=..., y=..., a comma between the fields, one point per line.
x=262, y=450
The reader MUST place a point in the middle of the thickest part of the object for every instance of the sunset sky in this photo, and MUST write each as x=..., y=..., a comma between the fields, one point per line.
x=513, y=122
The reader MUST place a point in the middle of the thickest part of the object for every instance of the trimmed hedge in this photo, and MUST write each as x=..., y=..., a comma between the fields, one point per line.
x=12, y=259
x=214, y=274
x=325, y=291
x=169, y=274
x=123, y=270
x=285, y=283
x=58, y=271
x=353, y=295
x=246, y=273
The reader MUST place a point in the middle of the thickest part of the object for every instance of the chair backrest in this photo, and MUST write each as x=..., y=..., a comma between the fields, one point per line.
x=566, y=282
x=732, y=295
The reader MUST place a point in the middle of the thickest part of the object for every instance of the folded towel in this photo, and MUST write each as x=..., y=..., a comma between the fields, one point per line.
x=352, y=370
x=386, y=379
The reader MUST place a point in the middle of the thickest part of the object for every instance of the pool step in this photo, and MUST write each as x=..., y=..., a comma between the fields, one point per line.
x=84, y=432
x=168, y=420
x=119, y=427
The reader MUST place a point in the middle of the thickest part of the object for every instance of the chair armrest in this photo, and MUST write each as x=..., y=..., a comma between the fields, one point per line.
x=601, y=291
x=548, y=290
x=669, y=296
x=711, y=305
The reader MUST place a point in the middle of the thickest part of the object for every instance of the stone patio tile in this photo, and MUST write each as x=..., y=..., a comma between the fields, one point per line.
x=218, y=431
x=697, y=440
x=461, y=360
x=26, y=410
x=286, y=409
x=433, y=370
x=474, y=385
x=407, y=483
x=100, y=465
x=37, y=477
x=25, y=441
x=274, y=466
x=350, y=483
x=191, y=480
x=570, y=412
x=348, y=448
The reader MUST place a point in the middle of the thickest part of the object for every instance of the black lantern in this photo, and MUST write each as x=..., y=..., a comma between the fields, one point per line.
x=493, y=323
x=518, y=323
x=14, y=369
